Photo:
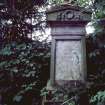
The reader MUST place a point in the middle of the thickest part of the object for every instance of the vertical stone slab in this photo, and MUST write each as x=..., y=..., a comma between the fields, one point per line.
x=68, y=53
x=69, y=61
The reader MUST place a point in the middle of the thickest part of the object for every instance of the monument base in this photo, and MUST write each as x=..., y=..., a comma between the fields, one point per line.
x=70, y=83
x=62, y=88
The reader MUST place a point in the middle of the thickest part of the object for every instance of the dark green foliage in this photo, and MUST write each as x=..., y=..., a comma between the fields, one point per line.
x=99, y=98
x=21, y=69
x=22, y=60
x=24, y=64
x=96, y=64
x=96, y=53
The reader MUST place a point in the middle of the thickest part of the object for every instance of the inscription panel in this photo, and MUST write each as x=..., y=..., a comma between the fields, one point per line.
x=69, y=61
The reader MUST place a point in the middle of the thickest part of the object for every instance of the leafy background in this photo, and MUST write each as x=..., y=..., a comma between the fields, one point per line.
x=24, y=63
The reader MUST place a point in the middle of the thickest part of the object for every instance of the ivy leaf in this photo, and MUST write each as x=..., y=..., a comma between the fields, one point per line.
x=21, y=46
x=15, y=70
x=17, y=98
x=6, y=51
x=2, y=64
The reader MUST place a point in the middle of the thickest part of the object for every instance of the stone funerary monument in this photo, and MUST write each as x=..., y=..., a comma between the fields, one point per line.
x=68, y=52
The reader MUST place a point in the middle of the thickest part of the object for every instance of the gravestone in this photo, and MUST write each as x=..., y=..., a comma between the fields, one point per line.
x=68, y=52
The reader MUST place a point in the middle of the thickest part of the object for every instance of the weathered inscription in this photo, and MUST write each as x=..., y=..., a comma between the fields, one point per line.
x=68, y=61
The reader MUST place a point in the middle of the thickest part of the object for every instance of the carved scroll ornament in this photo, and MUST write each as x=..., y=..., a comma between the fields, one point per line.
x=68, y=15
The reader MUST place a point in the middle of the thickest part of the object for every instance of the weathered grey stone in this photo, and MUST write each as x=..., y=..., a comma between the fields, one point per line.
x=69, y=61
x=68, y=13
x=68, y=56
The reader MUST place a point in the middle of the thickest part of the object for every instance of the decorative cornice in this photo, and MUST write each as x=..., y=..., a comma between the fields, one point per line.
x=68, y=13
x=67, y=23
x=67, y=6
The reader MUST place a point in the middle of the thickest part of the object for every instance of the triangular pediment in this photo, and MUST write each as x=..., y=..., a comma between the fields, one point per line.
x=68, y=13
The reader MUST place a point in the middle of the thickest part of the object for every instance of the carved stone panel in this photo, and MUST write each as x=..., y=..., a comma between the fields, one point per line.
x=69, y=61
x=68, y=15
